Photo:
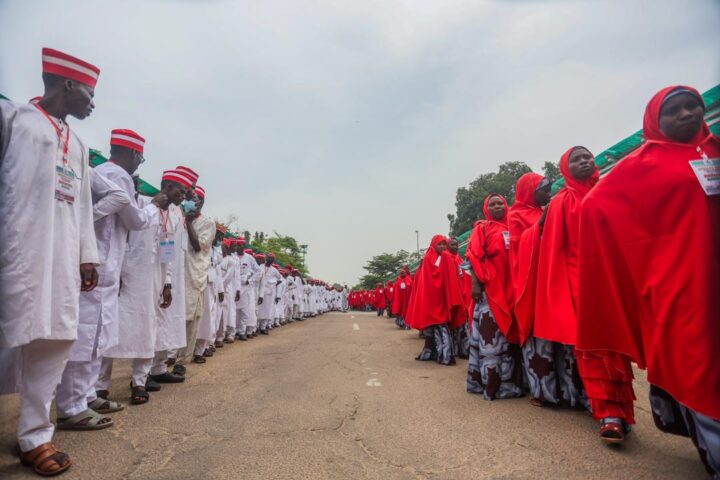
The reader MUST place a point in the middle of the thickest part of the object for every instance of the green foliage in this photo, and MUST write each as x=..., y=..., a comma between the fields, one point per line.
x=551, y=170
x=469, y=200
x=285, y=248
x=382, y=268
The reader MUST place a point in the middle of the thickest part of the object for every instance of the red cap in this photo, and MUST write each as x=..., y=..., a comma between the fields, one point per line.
x=200, y=191
x=248, y=250
x=64, y=65
x=189, y=172
x=128, y=139
x=175, y=176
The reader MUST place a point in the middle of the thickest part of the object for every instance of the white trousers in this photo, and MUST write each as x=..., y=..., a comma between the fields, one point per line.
x=158, y=363
x=77, y=387
x=42, y=365
x=140, y=370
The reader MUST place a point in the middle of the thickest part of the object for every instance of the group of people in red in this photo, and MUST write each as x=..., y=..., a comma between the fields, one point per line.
x=560, y=295
x=394, y=298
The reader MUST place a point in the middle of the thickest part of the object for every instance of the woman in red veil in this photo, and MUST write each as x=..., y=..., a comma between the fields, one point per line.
x=436, y=305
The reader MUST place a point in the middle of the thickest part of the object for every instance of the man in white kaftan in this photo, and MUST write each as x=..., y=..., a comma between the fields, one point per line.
x=98, y=327
x=246, y=276
x=144, y=278
x=46, y=204
x=201, y=233
x=268, y=295
x=226, y=332
x=208, y=326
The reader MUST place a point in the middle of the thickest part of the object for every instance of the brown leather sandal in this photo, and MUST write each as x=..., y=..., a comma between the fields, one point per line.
x=45, y=460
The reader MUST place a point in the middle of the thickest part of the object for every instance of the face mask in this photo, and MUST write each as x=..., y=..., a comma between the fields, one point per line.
x=188, y=206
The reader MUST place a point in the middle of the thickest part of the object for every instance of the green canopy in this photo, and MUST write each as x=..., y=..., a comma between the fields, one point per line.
x=97, y=158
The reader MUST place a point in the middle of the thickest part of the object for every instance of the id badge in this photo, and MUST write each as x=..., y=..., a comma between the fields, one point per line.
x=506, y=237
x=167, y=251
x=708, y=174
x=402, y=286
x=64, y=184
x=212, y=275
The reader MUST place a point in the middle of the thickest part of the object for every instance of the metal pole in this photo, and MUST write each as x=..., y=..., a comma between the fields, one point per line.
x=417, y=238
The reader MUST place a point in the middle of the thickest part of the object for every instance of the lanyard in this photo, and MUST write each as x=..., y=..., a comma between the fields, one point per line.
x=164, y=217
x=66, y=142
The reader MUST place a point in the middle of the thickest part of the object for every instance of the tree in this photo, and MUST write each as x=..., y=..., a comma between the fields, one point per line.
x=551, y=170
x=286, y=249
x=382, y=268
x=469, y=200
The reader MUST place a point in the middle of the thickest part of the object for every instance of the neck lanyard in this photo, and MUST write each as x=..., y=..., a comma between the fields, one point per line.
x=164, y=218
x=66, y=142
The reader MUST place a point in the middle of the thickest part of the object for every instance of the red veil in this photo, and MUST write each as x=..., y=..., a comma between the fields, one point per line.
x=489, y=257
x=436, y=295
x=557, y=275
x=650, y=268
x=522, y=217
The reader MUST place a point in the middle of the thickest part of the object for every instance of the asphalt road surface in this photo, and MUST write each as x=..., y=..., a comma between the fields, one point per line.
x=341, y=397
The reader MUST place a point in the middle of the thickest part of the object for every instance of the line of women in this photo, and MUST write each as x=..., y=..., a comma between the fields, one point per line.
x=562, y=295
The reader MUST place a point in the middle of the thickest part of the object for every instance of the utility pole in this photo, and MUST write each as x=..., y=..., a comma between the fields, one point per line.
x=417, y=238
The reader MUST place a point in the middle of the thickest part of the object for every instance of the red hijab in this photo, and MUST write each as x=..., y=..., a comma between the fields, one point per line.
x=389, y=291
x=488, y=254
x=379, y=300
x=524, y=213
x=649, y=265
x=557, y=275
x=401, y=295
x=436, y=295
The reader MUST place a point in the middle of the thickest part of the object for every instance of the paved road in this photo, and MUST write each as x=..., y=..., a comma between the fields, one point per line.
x=340, y=397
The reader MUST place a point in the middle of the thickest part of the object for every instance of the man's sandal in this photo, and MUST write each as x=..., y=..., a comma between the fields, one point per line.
x=151, y=385
x=219, y=344
x=208, y=353
x=199, y=359
x=102, y=394
x=45, y=459
x=138, y=395
x=229, y=339
x=87, y=420
x=101, y=405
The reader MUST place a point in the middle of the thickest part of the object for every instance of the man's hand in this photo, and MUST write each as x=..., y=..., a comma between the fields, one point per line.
x=277, y=299
x=543, y=217
x=260, y=300
x=88, y=277
x=191, y=216
x=477, y=288
x=166, y=297
x=221, y=297
x=161, y=201
x=237, y=296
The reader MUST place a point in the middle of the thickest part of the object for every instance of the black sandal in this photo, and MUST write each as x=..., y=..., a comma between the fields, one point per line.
x=199, y=359
x=138, y=395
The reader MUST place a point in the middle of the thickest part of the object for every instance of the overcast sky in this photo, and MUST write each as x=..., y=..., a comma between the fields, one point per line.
x=349, y=125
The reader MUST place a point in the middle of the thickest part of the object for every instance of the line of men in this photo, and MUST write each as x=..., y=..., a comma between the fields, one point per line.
x=90, y=271
x=566, y=292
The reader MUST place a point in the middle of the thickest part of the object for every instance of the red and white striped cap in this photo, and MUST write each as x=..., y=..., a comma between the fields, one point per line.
x=64, y=65
x=178, y=177
x=191, y=174
x=200, y=191
x=128, y=139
